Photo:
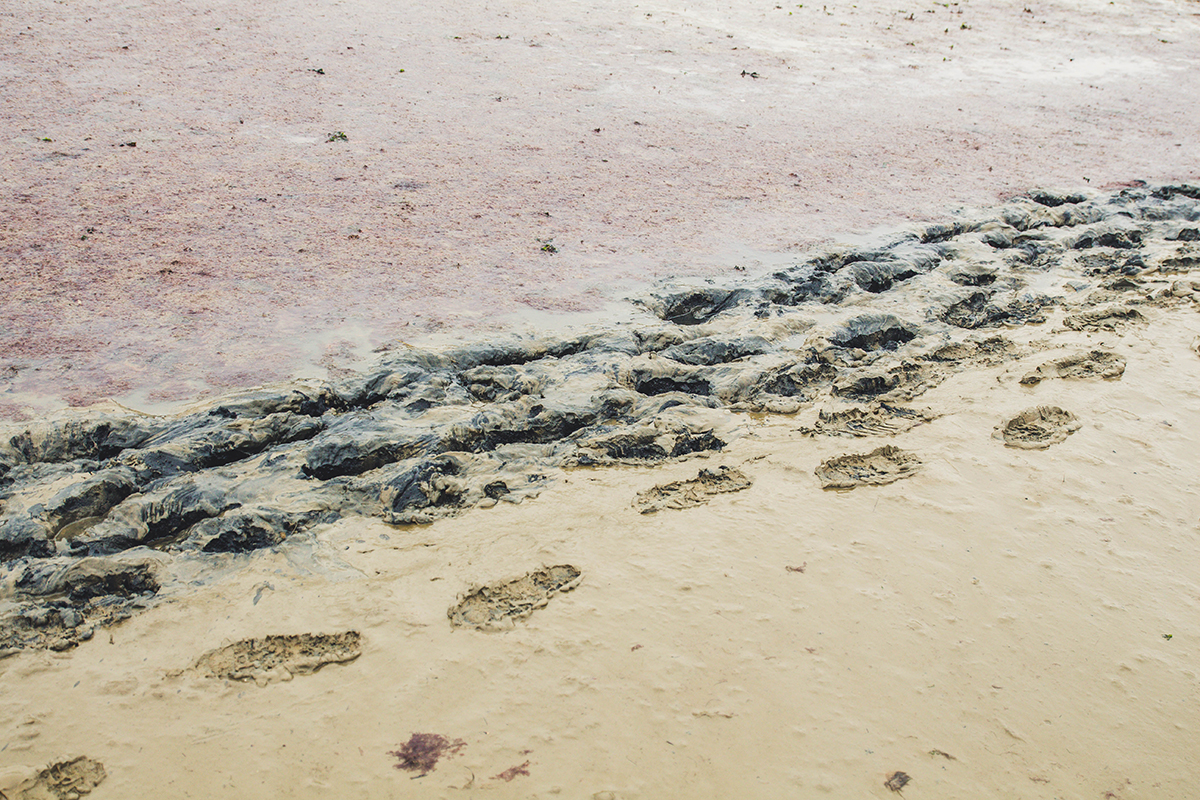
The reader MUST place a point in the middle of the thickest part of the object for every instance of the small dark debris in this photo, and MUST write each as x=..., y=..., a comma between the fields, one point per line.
x=512, y=772
x=496, y=489
x=897, y=782
x=800, y=568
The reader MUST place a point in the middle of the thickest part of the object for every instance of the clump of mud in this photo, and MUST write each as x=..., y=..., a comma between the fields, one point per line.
x=877, y=419
x=66, y=780
x=1096, y=363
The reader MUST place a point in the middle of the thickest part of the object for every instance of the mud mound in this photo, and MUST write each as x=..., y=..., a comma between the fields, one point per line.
x=497, y=606
x=694, y=492
x=1038, y=428
x=66, y=780
x=280, y=657
x=1097, y=363
x=882, y=465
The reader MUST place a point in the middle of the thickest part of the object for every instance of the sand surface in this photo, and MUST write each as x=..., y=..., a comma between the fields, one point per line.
x=234, y=245
x=1004, y=607
x=1001, y=623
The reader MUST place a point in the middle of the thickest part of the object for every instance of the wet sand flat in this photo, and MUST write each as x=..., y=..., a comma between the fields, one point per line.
x=235, y=244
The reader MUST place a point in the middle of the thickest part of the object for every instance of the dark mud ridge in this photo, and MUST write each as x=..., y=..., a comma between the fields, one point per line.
x=96, y=508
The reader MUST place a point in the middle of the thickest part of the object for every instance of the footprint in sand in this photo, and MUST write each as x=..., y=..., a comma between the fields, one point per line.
x=694, y=492
x=1106, y=318
x=882, y=465
x=497, y=606
x=1038, y=428
x=66, y=780
x=280, y=657
x=1097, y=363
x=878, y=419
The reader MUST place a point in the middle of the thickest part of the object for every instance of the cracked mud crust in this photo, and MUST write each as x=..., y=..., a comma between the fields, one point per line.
x=279, y=657
x=1038, y=428
x=499, y=605
x=694, y=492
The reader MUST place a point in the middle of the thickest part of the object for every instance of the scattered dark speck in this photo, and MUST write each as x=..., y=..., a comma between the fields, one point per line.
x=897, y=782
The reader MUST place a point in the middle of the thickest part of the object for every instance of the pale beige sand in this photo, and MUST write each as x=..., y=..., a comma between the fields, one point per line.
x=1005, y=607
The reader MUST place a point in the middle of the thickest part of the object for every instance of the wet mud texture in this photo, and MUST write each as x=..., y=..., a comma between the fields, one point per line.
x=498, y=606
x=695, y=492
x=280, y=657
x=875, y=419
x=97, y=507
x=883, y=465
x=66, y=780
x=1038, y=428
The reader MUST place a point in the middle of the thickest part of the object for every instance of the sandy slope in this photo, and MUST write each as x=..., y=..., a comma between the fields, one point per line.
x=233, y=245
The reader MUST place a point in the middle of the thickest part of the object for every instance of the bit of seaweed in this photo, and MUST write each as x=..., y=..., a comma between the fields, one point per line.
x=512, y=772
x=422, y=751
